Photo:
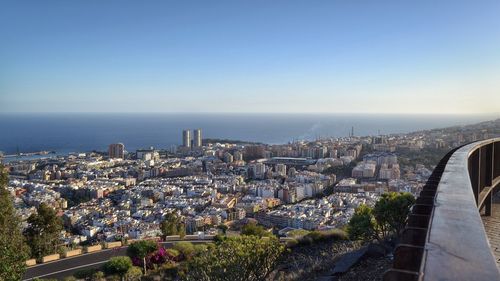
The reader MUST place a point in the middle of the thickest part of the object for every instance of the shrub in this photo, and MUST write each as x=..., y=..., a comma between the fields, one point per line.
x=388, y=217
x=391, y=212
x=297, y=233
x=327, y=235
x=173, y=252
x=255, y=230
x=113, y=278
x=159, y=257
x=185, y=248
x=118, y=265
x=61, y=250
x=200, y=248
x=98, y=276
x=315, y=236
x=336, y=234
x=362, y=225
x=133, y=274
x=223, y=228
x=219, y=238
x=141, y=249
x=84, y=273
x=306, y=240
x=237, y=258
x=169, y=269
x=292, y=243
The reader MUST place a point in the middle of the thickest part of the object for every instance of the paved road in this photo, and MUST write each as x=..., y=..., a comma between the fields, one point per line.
x=68, y=266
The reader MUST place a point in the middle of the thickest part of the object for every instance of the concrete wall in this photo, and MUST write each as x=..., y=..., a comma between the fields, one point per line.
x=172, y=237
x=73, y=253
x=111, y=245
x=95, y=248
x=31, y=262
x=51, y=258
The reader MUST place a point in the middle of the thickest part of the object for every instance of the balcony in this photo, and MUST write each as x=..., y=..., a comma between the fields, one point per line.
x=445, y=238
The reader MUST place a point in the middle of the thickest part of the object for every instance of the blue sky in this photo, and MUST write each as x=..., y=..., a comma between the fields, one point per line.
x=250, y=56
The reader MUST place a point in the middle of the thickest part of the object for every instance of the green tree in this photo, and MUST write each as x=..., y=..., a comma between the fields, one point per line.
x=362, y=225
x=13, y=250
x=43, y=231
x=223, y=228
x=255, y=230
x=387, y=218
x=141, y=249
x=391, y=212
x=118, y=265
x=248, y=258
x=172, y=225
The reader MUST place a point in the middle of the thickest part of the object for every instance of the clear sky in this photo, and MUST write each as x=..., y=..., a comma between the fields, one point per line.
x=435, y=56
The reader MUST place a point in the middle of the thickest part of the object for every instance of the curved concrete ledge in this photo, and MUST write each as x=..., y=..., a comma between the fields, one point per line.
x=445, y=238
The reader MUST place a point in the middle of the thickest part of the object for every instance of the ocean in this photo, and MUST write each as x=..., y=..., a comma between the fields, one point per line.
x=81, y=132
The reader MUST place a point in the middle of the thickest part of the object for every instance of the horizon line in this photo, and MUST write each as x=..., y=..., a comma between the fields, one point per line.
x=256, y=113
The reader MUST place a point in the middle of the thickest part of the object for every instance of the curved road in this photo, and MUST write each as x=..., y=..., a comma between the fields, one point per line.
x=68, y=266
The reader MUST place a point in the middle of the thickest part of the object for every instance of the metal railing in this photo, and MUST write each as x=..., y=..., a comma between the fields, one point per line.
x=445, y=237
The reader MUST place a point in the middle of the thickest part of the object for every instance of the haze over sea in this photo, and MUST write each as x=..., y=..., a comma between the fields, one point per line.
x=81, y=132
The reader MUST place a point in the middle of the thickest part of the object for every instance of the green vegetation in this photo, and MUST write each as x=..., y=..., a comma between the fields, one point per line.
x=76, y=199
x=387, y=218
x=185, y=248
x=118, y=265
x=327, y=191
x=141, y=249
x=305, y=237
x=237, y=258
x=97, y=276
x=133, y=274
x=391, y=212
x=43, y=231
x=173, y=252
x=427, y=156
x=255, y=230
x=328, y=235
x=297, y=233
x=223, y=228
x=362, y=224
x=343, y=171
x=200, y=248
x=89, y=274
x=172, y=225
x=13, y=250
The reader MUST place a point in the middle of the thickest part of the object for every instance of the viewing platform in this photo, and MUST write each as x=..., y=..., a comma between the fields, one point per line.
x=492, y=226
x=454, y=228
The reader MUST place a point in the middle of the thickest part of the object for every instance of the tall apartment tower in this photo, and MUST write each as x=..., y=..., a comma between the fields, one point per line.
x=186, y=138
x=197, y=138
x=116, y=150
